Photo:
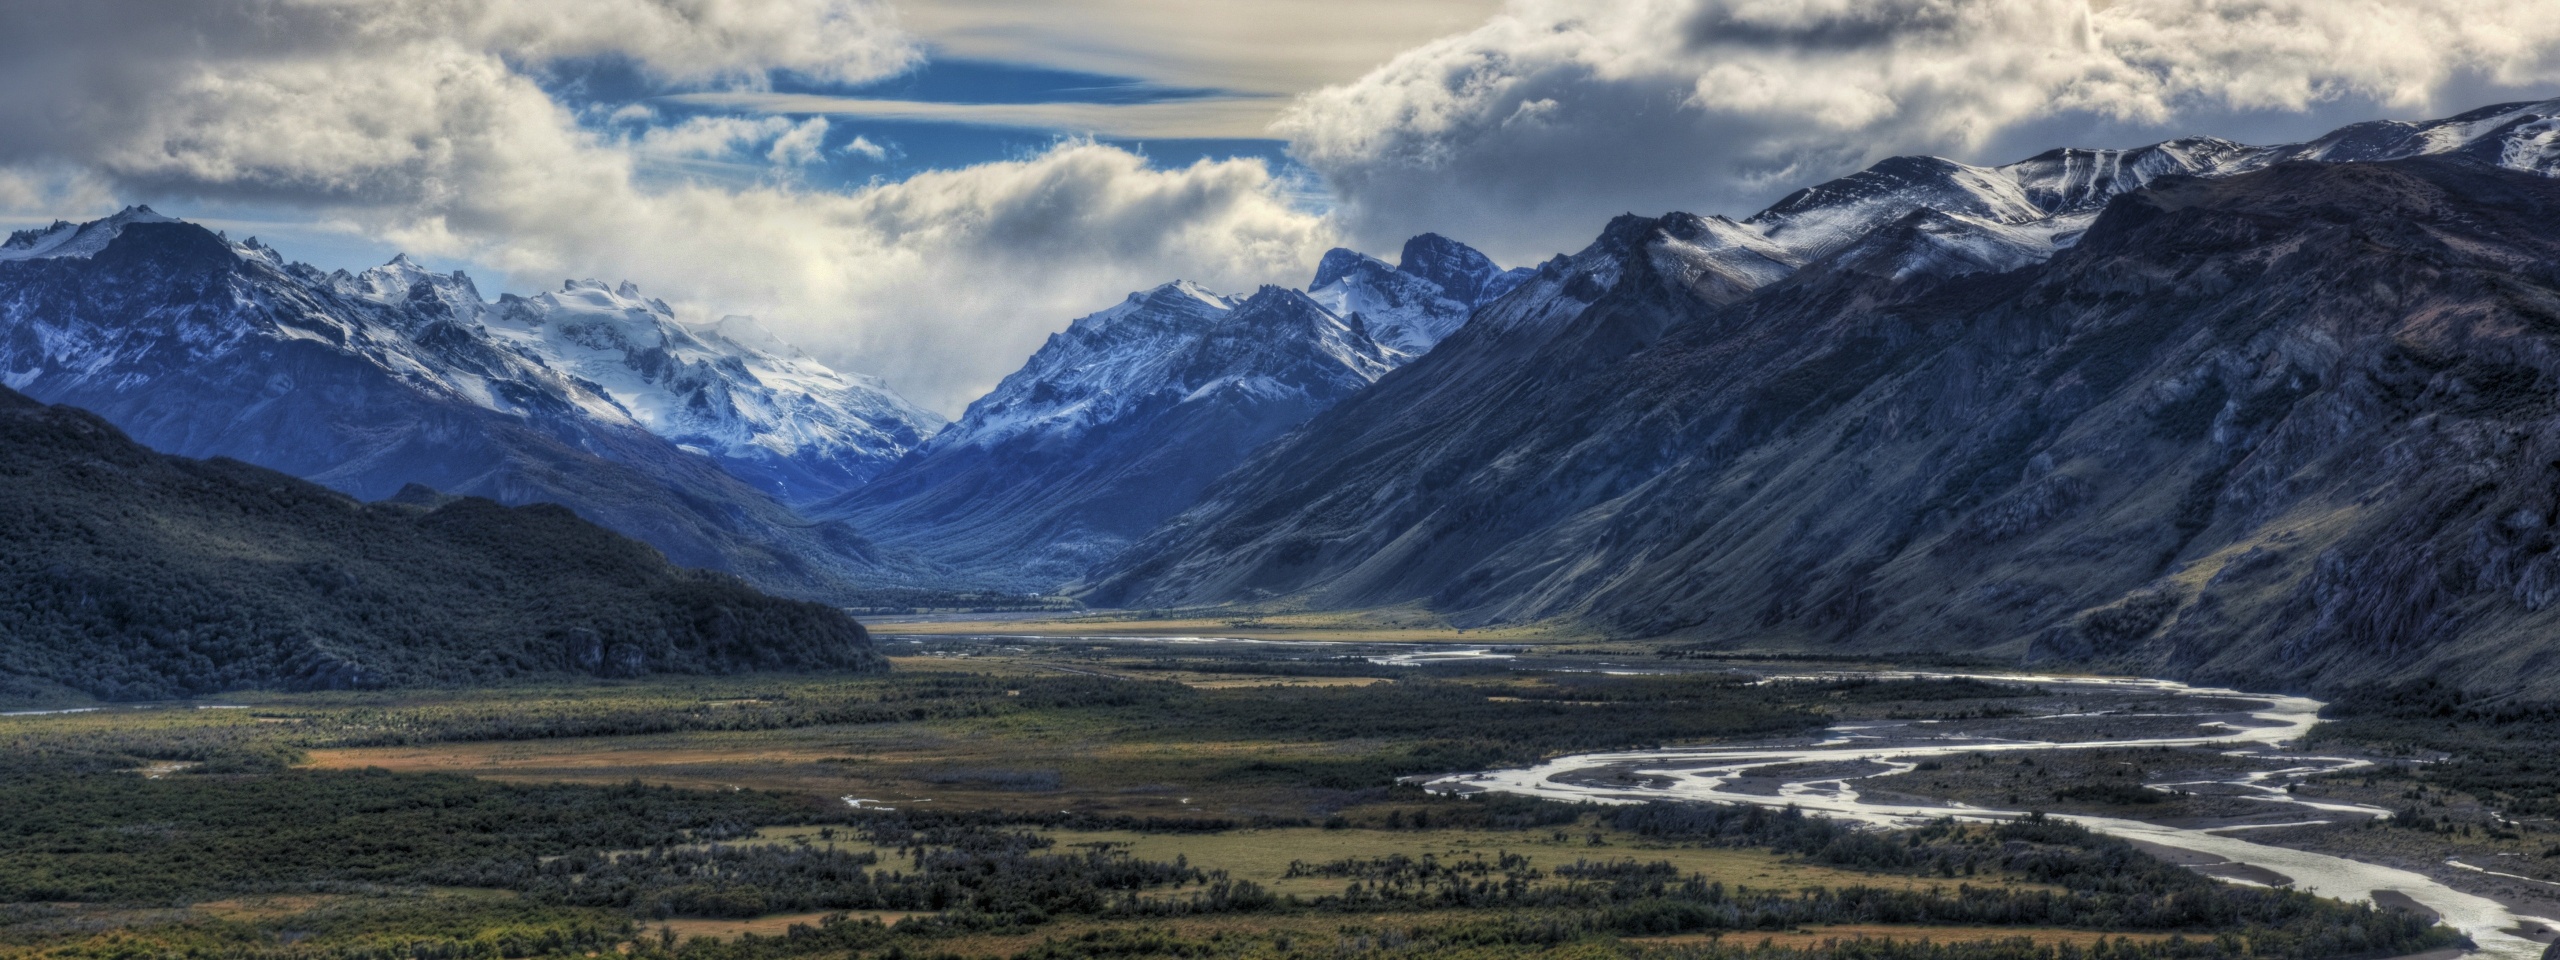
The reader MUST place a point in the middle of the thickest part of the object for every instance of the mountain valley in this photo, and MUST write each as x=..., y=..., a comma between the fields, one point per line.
x=2095, y=407
x=2147, y=550
x=1118, y=422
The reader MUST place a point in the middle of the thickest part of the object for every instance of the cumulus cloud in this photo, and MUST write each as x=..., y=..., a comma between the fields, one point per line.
x=861, y=146
x=800, y=144
x=943, y=282
x=426, y=123
x=709, y=138
x=1526, y=130
x=422, y=122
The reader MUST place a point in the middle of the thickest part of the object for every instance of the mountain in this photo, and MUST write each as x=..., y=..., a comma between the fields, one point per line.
x=2292, y=426
x=202, y=347
x=1110, y=427
x=135, y=575
x=1323, y=515
x=730, y=390
x=1409, y=307
x=2052, y=196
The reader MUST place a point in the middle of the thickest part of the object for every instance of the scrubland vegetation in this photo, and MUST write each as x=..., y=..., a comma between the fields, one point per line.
x=1016, y=810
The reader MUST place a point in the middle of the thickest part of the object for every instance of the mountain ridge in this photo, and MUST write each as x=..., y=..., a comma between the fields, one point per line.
x=2024, y=460
x=1116, y=422
x=201, y=347
x=137, y=575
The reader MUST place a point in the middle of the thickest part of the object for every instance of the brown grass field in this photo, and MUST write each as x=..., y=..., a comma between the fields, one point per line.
x=1392, y=624
x=772, y=926
x=1816, y=936
x=946, y=764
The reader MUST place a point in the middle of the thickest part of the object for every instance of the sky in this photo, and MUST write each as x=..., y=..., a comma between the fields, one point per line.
x=924, y=190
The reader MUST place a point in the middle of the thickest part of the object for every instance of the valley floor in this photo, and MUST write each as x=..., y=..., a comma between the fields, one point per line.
x=1120, y=793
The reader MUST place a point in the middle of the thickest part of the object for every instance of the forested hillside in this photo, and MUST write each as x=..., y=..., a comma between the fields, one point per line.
x=135, y=575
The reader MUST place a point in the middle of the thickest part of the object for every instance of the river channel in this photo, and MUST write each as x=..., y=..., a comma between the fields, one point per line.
x=2261, y=734
x=1823, y=775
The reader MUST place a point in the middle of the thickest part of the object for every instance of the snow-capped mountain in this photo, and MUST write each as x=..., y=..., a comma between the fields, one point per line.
x=203, y=347
x=2045, y=201
x=67, y=239
x=1466, y=273
x=1095, y=372
x=1114, y=424
x=729, y=389
x=1933, y=243
x=1410, y=306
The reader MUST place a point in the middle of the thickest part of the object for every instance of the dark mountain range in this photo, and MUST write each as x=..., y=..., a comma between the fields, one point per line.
x=2294, y=425
x=1112, y=426
x=202, y=347
x=135, y=575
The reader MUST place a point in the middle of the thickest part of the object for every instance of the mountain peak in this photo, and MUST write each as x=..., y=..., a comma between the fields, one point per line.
x=430, y=295
x=1340, y=262
x=67, y=239
x=1269, y=294
x=1179, y=303
x=1467, y=275
x=1182, y=290
x=1118, y=422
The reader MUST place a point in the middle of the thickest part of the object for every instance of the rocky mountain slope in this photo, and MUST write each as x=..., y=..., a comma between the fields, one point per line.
x=1118, y=422
x=1412, y=305
x=2292, y=426
x=135, y=575
x=730, y=390
x=1110, y=427
x=2042, y=203
x=591, y=399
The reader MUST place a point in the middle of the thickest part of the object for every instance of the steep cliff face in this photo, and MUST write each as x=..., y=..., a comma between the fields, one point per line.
x=201, y=347
x=1113, y=425
x=2294, y=426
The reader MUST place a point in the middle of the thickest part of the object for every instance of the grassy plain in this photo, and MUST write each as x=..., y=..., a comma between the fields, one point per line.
x=1409, y=624
x=1037, y=803
x=1265, y=855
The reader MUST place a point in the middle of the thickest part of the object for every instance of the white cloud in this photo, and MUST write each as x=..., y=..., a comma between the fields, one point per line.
x=415, y=122
x=943, y=282
x=1524, y=132
x=861, y=146
x=800, y=144
x=420, y=122
x=711, y=138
